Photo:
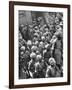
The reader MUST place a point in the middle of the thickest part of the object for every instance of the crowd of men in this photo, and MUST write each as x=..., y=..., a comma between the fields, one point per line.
x=41, y=49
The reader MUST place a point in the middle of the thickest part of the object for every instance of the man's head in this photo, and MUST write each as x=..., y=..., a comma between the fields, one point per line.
x=34, y=48
x=52, y=61
x=29, y=43
x=38, y=58
x=43, y=38
x=33, y=56
x=22, y=48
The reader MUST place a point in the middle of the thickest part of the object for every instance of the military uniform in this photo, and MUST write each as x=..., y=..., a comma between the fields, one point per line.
x=38, y=71
x=47, y=55
x=31, y=68
x=52, y=72
x=57, y=53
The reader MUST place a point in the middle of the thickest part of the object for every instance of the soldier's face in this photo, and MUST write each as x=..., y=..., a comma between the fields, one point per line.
x=52, y=63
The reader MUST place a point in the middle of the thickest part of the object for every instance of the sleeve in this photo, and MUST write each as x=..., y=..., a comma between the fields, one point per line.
x=48, y=72
x=29, y=65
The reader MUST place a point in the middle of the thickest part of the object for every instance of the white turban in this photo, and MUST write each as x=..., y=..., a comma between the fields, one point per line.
x=38, y=57
x=33, y=55
x=52, y=60
x=29, y=43
x=43, y=38
x=23, y=48
x=34, y=48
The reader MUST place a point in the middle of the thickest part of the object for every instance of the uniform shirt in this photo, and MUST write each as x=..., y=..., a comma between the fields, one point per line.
x=38, y=71
x=52, y=72
x=47, y=55
x=57, y=52
x=58, y=44
x=31, y=66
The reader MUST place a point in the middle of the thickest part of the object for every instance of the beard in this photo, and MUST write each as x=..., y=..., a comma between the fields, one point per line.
x=52, y=65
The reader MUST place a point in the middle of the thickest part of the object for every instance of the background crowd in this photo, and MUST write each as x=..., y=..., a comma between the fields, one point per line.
x=41, y=47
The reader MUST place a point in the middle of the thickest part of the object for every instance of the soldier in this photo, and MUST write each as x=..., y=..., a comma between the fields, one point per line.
x=52, y=69
x=58, y=51
x=34, y=48
x=29, y=44
x=31, y=63
x=39, y=67
x=25, y=32
x=41, y=47
x=47, y=54
x=22, y=48
x=43, y=38
x=23, y=73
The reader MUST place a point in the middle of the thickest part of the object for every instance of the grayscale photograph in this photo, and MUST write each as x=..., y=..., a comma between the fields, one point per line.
x=40, y=44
